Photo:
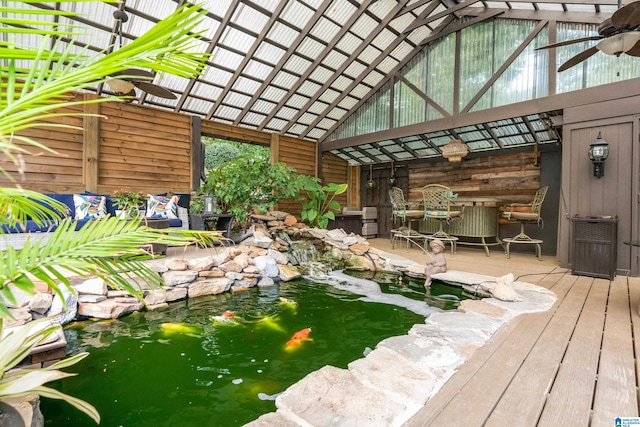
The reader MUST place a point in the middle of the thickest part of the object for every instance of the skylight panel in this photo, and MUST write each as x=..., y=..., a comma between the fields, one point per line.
x=310, y=48
x=354, y=69
x=402, y=22
x=419, y=34
x=226, y=58
x=282, y=34
x=263, y=106
x=341, y=83
x=199, y=105
x=325, y=30
x=269, y=53
x=296, y=129
x=206, y=91
x=155, y=8
x=373, y=78
x=253, y=118
x=243, y=84
x=329, y=96
x=307, y=118
x=257, y=70
x=316, y=134
x=208, y=26
x=273, y=94
x=321, y=74
x=317, y=107
x=387, y=65
x=340, y=11
x=369, y=54
x=364, y=26
x=236, y=99
x=348, y=102
x=226, y=112
x=383, y=39
x=284, y=79
x=309, y=88
x=287, y=113
x=240, y=41
x=215, y=75
x=270, y=5
x=382, y=8
x=334, y=59
x=218, y=7
x=248, y=17
x=401, y=51
x=348, y=43
x=276, y=123
x=296, y=64
x=101, y=13
x=296, y=13
x=297, y=101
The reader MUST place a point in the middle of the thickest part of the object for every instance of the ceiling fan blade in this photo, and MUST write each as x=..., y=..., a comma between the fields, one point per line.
x=120, y=85
x=582, y=56
x=137, y=75
x=568, y=42
x=156, y=90
x=627, y=16
x=635, y=50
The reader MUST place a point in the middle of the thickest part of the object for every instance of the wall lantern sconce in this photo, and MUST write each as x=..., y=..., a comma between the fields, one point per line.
x=371, y=183
x=392, y=178
x=209, y=205
x=598, y=152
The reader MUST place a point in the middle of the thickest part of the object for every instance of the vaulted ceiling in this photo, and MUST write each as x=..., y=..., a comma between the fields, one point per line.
x=301, y=67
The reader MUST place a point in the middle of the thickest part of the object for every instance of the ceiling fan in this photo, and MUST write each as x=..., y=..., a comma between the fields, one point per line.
x=618, y=34
x=125, y=82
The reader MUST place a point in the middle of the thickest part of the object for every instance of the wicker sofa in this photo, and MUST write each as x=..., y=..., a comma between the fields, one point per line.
x=17, y=236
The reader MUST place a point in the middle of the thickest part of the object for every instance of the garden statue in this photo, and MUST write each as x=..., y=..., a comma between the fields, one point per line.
x=436, y=263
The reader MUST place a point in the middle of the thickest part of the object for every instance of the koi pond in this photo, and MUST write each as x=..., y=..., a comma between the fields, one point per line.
x=221, y=360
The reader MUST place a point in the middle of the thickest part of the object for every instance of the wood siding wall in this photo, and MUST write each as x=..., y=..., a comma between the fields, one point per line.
x=335, y=170
x=302, y=156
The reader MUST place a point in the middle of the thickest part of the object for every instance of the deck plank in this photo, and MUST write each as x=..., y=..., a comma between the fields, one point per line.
x=615, y=387
x=525, y=397
x=569, y=401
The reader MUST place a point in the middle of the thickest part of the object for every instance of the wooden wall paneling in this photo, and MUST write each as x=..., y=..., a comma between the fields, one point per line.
x=301, y=155
x=91, y=145
x=334, y=170
x=144, y=148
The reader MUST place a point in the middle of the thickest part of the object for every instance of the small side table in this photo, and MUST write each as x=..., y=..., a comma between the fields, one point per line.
x=156, y=248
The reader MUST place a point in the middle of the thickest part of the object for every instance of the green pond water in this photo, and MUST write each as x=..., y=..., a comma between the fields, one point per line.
x=184, y=366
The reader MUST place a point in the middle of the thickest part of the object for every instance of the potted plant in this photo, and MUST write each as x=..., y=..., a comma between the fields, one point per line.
x=196, y=208
x=129, y=202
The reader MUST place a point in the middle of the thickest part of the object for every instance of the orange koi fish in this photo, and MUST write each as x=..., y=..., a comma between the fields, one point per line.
x=298, y=338
x=228, y=313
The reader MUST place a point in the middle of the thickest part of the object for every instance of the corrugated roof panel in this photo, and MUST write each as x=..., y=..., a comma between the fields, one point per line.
x=335, y=113
x=157, y=9
x=296, y=64
x=227, y=112
x=369, y=54
x=334, y=59
x=263, y=106
x=419, y=34
x=348, y=102
x=282, y=34
x=437, y=22
x=286, y=113
x=253, y=118
x=171, y=82
x=341, y=83
x=274, y=94
x=296, y=129
x=316, y=133
x=238, y=40
x=402, y=50
x=310, y=48
x=199, y=105
x=218, y=7
x=360, y=91
x=325, y=30
x=250, y=18
x=522, y=6
x=349, y=43
x=329, y=96
x=101, y=13
x=354, y=69
x=243, y=84
x=479, y=145
x=382, y=8
x=317, y=107
x=404, y=156
x=373, y=78
x=236, y=99
x=216, y=76
x=206, y=91
x=580, y=8
x=340, y=11
x=383, y=39
x=276, y=123
x=284, y=80
x=269, y=53
x=307, y=118
x=296, y=13
x=387, y=65
x=321, y=74
x=257, y=70
x=415, y=145
x=209, y=25
x=496, y=4
x=270, y=5
x=225, y=58
x=297, y=101
x=513, y=140
x=557, y=7
x=402, y=22
x=427, y=152
x=364, y=26
x=309, y=88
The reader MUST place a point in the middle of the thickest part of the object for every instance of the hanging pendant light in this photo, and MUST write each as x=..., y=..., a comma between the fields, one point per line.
x=371, y=183
x=455, y=150
x=392, y=179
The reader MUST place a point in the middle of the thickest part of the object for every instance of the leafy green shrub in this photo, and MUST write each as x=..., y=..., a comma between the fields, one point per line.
x=320, y=207
x=248, y=184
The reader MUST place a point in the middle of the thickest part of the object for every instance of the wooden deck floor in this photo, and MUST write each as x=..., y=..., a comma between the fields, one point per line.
x=574, y=365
